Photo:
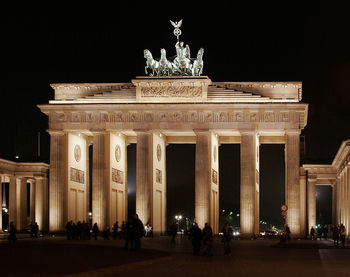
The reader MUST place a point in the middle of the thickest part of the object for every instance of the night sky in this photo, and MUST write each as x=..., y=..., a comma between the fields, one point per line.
x=243, y=42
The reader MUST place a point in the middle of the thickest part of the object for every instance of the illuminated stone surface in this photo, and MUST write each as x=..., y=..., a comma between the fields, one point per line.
x=182, y=110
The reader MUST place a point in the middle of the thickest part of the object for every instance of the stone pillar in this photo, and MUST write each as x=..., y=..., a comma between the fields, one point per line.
x=303, y=201
x=13, y=200
x=32, y=200
x=1, y=181
x=338, y=198
x=214, y=183
x=203, y=180
x=58, y=181
x=249, y=214
x=41, y=203
x=292, y=157
x=99, y=180
x=117, y=190
x=347, y=198
x=88, y=190
x=334, y=203
x=158, y=189
x=341, y=197
x=22, y=214
x=311, y=201
x=143, y=175
x=151, y=179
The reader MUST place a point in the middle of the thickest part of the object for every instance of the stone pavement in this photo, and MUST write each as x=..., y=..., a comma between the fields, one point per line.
x=161, y=258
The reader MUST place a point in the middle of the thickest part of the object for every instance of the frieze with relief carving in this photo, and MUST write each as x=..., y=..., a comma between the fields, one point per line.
x=178, y=116
x=171, y=91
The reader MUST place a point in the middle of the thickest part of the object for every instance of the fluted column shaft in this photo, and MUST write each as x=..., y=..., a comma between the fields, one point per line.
x=1, y=180
x=32, y=200
x=41, y=203
x=203, y=183
x=99, y=181
x=144, y=175
x=22, y=222
x=58, y=182
x=292, y=156
x=249, y=213
x=334, y=204
x=13, y=200
x=311, y=202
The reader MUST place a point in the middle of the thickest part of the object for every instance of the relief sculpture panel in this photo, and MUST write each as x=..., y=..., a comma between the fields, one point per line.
x=117, y=176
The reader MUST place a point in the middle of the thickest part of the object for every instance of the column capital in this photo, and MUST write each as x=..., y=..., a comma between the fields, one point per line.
x=293, y=132
x=248, y=132
x=56, y=132
x=312, y=177
x=95, y=133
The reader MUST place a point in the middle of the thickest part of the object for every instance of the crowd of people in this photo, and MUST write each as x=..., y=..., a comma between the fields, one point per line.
x=202, y=239
x=338, y=233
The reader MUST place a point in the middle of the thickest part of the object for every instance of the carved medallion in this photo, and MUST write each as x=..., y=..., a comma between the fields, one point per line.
x=215, y=153
x=77, y=153
x=118, y=153
x=159, y=153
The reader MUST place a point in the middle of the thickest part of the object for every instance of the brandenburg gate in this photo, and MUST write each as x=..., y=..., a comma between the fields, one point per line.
x=175, y=104
x=160, y=110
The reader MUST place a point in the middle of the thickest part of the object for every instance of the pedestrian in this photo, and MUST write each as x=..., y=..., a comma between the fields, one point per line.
x=207, y=240
x=287, y=232
x=342, y=234
x=227, y=233
x=35, y=227
x=31, y=229
x=312, y=233
x=69, y=230
x=128, y=235
x=115, y=230
x=78, y=230
x=325, y=232
x=173, y=231
x=335, y=235
x=150, y=230
x=196, y=237
x=138, y=231
x=12, y=232
x=106, y=233
x=319, y=233
x=95, y=230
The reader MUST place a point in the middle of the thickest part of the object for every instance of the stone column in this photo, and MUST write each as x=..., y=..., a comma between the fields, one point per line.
x=99, y=180
x=13, y=200
x=1, y=181
x=341, y=198
x=203, y=182
x=334, y=203
x=303, y=201
x=292, y=157
x=58, y=181
x=347, y=198
x=311, y=201
x=338, y=198
x=22, y=221
x=143, y=175
x=249, y=214
x=41, y=203
x=32, y=200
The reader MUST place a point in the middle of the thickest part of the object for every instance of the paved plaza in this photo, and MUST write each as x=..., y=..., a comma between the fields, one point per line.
x=55, y=256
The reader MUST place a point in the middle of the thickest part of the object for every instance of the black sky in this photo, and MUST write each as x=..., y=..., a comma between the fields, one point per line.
x=247, y=41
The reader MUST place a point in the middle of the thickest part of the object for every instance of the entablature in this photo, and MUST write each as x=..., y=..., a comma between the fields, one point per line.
x=175, y=116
